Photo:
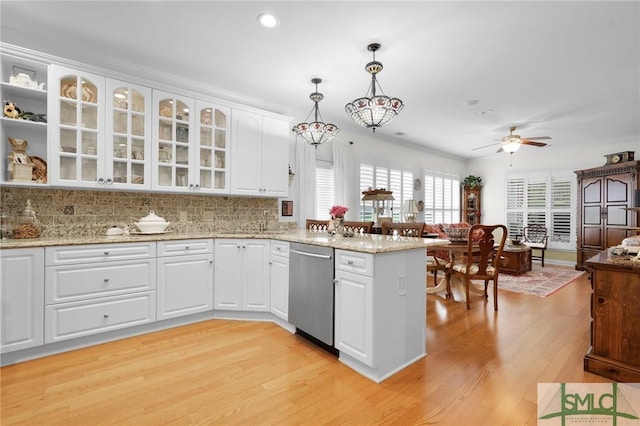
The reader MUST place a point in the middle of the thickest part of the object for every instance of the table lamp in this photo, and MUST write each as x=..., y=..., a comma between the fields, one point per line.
x=410, y=211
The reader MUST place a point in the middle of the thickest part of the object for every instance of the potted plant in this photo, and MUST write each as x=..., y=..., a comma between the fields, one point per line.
x=472, y=181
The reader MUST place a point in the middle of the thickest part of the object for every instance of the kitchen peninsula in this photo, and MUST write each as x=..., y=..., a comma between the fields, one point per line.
x=380, y=323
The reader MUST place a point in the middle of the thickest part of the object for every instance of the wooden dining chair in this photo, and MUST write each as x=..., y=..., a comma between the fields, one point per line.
x=404, y=229
x=357, y=227
x=482, y=261
x=317, y=225
x=535, y=237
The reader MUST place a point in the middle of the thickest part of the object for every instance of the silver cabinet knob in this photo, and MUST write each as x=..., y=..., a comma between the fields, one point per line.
x=109, y=181
x=349, y=262
x=106, y=253
x=106, y=280
x=106, y=315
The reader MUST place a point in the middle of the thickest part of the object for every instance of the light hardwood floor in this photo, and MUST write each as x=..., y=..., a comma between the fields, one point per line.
x=482, y=368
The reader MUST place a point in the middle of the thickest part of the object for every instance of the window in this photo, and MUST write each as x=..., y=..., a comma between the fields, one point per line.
x=398, y=181
x=547, y=200
x=324, y=189
x=441, y=198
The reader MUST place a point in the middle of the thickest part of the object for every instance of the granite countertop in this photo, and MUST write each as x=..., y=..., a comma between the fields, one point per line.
x=366, y=243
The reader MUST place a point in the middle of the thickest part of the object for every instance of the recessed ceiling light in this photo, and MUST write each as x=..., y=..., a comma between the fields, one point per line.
x=399, y=133
x=470, y=102
x=267, y=20
x=487, y=111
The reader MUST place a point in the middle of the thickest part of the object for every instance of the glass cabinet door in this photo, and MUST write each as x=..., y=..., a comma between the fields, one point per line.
x=128, y=134
x=173, y=141
x=212, y=152
x=78, y=114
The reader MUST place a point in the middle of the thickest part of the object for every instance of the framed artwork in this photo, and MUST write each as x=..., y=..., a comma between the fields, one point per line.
x=287, y=208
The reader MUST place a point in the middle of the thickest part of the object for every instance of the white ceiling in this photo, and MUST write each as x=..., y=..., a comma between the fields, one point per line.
x=569, y=70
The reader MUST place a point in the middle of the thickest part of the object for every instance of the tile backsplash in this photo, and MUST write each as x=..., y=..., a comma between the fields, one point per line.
x=83, y=212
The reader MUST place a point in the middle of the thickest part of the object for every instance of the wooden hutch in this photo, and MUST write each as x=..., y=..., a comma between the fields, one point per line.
x=615, y=311
x=471, y=204
x=605, y=208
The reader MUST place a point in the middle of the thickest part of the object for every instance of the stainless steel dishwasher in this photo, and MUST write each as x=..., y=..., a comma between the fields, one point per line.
x=311, y=291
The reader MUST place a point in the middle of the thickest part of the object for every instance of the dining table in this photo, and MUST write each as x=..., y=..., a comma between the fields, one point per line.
x=456, y=248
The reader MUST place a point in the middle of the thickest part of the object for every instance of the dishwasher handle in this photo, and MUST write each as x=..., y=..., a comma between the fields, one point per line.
x=305, y=253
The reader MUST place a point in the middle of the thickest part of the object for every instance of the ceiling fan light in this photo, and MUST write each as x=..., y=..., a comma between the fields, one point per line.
x=511, y=147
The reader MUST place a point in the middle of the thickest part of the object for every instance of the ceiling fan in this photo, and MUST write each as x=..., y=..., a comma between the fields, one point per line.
x=512, y=142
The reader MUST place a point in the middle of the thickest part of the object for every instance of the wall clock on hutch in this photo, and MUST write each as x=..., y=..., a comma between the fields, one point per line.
x=619, y=157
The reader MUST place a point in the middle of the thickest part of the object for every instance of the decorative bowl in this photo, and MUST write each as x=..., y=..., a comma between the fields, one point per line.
x=152, y=224
x=457, y=234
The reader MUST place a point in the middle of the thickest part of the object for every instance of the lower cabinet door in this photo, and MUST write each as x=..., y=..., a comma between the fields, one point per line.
x=280, y=286
x=76, y=319
x=354, y=316
x=21, y=298
x=185, y=285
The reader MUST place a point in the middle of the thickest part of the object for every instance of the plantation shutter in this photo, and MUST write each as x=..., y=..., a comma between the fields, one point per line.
x=366, y=182
x=429, y=199
x=324, y=189
x=562, y=195
x=442, y=198
x=537, y=202
x=395, y=185
x=515, y=206
x=546, y=200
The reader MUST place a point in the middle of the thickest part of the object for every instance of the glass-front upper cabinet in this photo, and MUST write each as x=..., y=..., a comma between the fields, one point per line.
x=23, y=124
x=128, y=140
x=76, y=114
x=212, y=141
x=172, y=142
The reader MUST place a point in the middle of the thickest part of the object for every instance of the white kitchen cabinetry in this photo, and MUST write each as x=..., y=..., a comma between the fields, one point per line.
x=185, y=277
x=354, y=305
x=173, y=136
x=96, y=288
x=260, y=155
x=128, y=142
x=241, y=275
x=212, y=142
x=279, y=279
x=101, y=131
x=21, y=298
x=190, y=144
x=28, y=99
x=380, y=313
x=76, y=116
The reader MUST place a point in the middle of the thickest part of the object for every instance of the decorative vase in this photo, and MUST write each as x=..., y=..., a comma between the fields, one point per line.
x=338, y=225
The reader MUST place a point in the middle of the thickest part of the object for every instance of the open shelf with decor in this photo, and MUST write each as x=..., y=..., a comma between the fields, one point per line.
x=23, y=126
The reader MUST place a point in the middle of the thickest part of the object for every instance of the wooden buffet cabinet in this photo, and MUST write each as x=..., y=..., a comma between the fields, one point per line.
x=604, y=194
x=615, y=318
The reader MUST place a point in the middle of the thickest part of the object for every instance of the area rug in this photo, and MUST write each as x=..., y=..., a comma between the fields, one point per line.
x=541, y=282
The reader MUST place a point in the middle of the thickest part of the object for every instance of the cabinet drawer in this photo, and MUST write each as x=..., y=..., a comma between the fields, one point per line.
x=76, y=319
x=66, y=255
x=351, y=261
x=79, y=282
x=180, y=247
x=280, y=248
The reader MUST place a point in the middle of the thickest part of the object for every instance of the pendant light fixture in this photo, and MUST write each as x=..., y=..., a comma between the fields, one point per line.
x=316, y=132
x=373, y=110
